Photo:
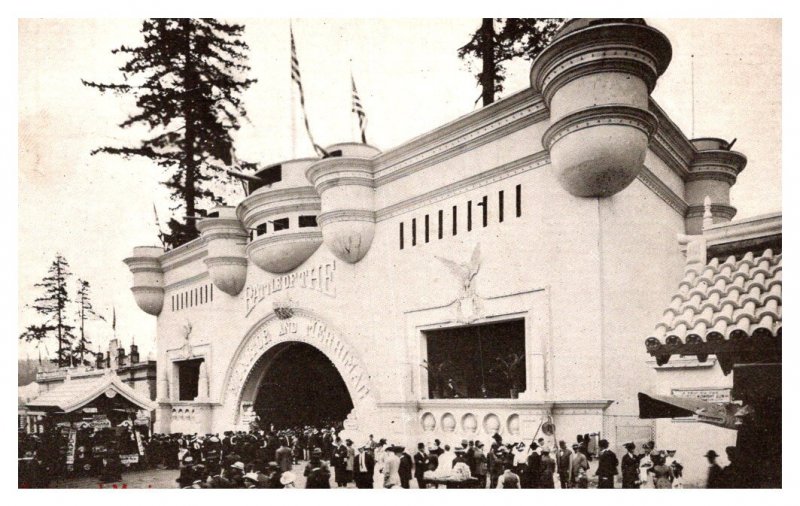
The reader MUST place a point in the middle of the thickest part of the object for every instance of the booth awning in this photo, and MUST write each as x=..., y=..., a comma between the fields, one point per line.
x=76, y=393
x=667, y=406
x=731, y=309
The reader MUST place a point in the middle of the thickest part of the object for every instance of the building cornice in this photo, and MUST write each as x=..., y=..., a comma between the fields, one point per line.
x=504, y=171
x=468, y=132
x=670, y=144
x=663, y=191
x=186, y=282
x=183, y=255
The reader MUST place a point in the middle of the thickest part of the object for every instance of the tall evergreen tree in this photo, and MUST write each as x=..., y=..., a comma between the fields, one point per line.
x=52, y=305
x=85, y=312
x=187, y=79
x=500, y=40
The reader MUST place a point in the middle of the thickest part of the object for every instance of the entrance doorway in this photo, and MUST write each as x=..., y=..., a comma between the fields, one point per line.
x=299, y=387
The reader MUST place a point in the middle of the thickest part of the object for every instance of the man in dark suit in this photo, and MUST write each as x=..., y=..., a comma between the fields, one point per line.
x=534, y=471
x=563, y=457
x=364, y=468
x=630, y=467
x=420, y=465
x=405, y=470
x=715, y=478
x=607, y=466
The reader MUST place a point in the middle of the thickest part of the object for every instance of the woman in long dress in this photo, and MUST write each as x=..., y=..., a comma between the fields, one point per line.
x=645, y=468
x=380, y=458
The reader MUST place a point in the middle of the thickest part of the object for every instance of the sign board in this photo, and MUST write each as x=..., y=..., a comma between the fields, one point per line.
x=715, y=395
x=89, y=410
x=127, y=460
x=101, y=422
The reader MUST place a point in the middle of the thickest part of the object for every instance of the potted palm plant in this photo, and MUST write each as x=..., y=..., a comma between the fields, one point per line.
x=509, y=367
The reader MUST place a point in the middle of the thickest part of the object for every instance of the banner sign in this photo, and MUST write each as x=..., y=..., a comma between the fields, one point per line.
x=139, y=442
x=73, y=435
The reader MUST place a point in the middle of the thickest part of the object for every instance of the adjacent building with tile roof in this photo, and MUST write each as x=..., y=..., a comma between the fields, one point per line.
x=726, y=312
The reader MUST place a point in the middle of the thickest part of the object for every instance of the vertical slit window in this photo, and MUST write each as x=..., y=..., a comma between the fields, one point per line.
x=401, y=235
x=500, y=206
x=427, y=228
x=519, y=200
x=469, y=216
x=413, y=231
x=212, y=293
x=441, y=223
x=455, y=220
x=485, y=204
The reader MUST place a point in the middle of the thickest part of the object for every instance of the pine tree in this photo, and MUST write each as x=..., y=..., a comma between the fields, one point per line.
x=187, y=79
x=53, y=305
x=502, y=39
x=85, y=312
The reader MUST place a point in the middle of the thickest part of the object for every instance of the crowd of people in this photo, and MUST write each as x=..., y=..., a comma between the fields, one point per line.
x=267, y=459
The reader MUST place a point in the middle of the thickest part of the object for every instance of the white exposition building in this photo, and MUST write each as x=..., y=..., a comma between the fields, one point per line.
x=496, y=273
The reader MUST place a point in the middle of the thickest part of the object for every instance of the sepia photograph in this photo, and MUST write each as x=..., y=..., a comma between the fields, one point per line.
x=415, y=253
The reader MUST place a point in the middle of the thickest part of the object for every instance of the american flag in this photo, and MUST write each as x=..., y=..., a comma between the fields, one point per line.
x=296, y=79
x=359, y=110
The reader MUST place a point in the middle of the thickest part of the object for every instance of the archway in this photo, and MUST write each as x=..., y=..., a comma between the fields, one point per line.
x=301, y=386
x=262, y=347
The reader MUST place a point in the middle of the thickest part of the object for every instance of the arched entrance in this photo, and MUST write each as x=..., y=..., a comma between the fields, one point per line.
x=257, y=361
x=301, y=386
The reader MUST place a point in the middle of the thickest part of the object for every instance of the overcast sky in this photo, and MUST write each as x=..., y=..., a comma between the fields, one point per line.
x=95, y=209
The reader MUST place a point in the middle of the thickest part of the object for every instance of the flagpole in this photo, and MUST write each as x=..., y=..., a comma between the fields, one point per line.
x=293, y=106
x=352, y=123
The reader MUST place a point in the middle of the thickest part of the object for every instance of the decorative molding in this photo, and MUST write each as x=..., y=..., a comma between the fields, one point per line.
x=354, y=167
x=255, y=216
x=345, y=181
x=346, y=215
x=720, y=210
x=187, y=281
x=271, y=197
x=490, y=176
x=289, y=236
x=651, y=181
x=485, y=116
x=613, y=114
x=226, y=260
x=184, y=257
x=521, y=120
x=606, y=47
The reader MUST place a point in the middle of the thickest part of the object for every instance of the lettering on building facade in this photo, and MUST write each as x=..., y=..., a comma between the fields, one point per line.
x=298, y=328
x=319, y=278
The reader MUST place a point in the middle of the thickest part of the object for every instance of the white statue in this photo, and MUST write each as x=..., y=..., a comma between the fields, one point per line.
x=468, y=302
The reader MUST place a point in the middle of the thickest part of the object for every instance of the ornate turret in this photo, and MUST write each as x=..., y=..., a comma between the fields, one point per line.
x=282, y=217
x=226, y=241
x=344, y=182
x=596, y=77
x=711, y=174
x=148, y=278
